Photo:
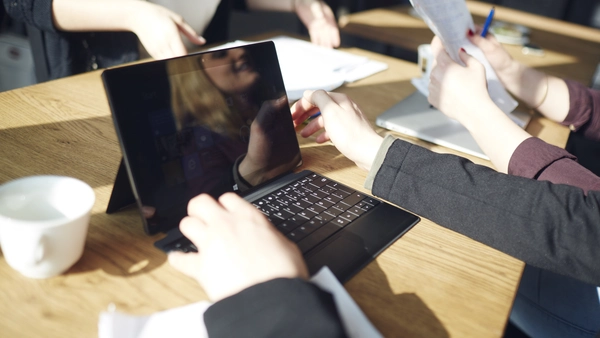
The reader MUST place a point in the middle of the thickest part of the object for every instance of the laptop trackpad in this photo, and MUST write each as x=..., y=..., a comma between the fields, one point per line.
x=345, y=254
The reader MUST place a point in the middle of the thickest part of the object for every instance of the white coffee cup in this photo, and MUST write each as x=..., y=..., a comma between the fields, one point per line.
x=43, y=223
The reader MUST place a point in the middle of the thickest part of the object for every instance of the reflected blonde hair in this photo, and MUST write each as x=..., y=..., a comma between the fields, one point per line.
x=196, y=101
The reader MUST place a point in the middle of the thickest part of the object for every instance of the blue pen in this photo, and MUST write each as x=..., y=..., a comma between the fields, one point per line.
x=487, y=23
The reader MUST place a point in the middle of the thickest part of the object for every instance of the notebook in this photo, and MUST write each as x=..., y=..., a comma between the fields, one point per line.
x=414, y=116
x=219, y=121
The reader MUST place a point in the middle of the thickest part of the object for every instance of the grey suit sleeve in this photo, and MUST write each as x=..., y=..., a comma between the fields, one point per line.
x=551, y=226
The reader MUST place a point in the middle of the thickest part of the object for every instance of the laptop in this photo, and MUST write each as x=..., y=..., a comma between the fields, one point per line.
x=414, y=116
x=220, y=121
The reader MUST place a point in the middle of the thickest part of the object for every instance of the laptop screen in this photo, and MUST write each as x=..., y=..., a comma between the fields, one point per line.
x=204, y=123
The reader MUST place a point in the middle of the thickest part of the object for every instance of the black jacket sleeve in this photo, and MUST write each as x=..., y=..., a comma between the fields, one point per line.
x=550, y=226
x=277, y=308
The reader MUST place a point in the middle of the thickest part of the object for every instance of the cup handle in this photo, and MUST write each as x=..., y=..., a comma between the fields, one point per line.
x=38, y=252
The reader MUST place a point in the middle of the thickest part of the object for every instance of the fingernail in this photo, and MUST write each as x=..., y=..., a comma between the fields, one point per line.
x=463, y=50
x=470, y=32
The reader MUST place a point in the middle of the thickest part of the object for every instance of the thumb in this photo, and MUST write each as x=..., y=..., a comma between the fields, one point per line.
x=467, y=59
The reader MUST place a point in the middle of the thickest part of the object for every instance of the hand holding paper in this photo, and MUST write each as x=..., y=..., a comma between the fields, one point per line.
x=450, y=20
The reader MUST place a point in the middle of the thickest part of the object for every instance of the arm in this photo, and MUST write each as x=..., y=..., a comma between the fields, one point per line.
x=157, y=28
x=548, y=94
x=564, y=101
x=317, y=16
x=253, y=273
x=538, y=160
x=277, y=308
x=584, y=110
x=461, y=93
x=555, y=227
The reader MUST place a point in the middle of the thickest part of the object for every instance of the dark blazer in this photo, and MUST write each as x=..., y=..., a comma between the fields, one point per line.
x=277, y=308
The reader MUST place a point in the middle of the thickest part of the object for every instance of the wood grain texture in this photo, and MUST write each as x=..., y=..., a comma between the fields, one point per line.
x=431, y=283
x=572, y=51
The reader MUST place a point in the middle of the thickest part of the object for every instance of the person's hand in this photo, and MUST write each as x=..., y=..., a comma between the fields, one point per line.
x=158, y=29
x=344, y=124
x=237, y=247
x=268, y=149
x=497, y=56
x=455, y=90
x=318, y=18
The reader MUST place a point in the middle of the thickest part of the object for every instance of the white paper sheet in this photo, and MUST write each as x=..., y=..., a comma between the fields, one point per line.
x=308, y=66
x=450, y=20
x=187, y=321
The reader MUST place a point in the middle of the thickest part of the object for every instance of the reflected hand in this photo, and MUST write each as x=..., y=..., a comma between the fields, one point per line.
x=158, y=29
x=237, y=247
x=266, y=150
x=343, y=123
x=455, y=90
x=318, y=18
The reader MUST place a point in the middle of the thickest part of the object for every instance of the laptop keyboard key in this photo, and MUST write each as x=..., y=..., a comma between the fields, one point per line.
x=311, y=209
x=349, y=216
x=326, y=217
x=295, y=236
x=371, y=201
x=354, y=198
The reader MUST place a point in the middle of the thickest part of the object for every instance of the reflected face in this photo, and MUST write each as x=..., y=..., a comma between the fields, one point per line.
x=232, y=71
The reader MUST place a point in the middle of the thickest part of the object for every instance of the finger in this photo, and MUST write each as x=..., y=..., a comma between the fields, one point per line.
x=323, y=137
x=436, y=46
x=300, y=113
x=336, y=38
x=205, y=208
x=484, y=43
x=194, y=229
x=467, y=59
x=237, y=205
x=190, y=33
x=322, y=99
x=303, y=105
x=313, y=126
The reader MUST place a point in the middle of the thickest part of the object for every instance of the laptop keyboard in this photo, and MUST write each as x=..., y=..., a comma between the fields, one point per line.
x=313, y=208
x=307, y=211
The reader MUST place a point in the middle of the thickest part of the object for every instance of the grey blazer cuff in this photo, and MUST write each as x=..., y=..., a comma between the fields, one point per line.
x=379, y=158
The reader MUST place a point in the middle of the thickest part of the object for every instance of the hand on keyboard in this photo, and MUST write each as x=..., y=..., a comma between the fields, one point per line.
x=237, y=247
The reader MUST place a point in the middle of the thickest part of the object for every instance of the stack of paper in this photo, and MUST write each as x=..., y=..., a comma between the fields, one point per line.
x=308, y=66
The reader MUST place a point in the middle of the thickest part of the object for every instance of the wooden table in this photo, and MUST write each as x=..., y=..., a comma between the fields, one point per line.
x=431, y=283
x=572, y=51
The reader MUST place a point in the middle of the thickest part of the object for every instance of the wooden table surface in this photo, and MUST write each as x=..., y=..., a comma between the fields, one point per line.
x=431, y=283
x=571, y=51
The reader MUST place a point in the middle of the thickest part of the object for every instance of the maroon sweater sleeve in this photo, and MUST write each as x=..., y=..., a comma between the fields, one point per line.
x=584, y=110
x=539, y=160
